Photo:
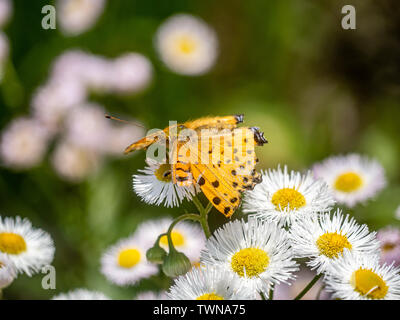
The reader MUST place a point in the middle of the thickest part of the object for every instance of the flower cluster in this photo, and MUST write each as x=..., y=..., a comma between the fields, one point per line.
x=61, y=111
x=291, y=220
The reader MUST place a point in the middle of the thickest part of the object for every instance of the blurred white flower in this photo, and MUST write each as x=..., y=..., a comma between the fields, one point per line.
x=90, y=71
x=389, y=238
x=120, y=136
x=74, y=163
x=23, y=143
x=130, y=73
x=87, y=127
x=28, y=248
x=52, y=101
x=125, y=262
x=81, y=294
x=186, y=44
x=6, y=9
x=397, y=213
x=352, y=178
x=77, y=16
x=7, y=271
x=4, y=50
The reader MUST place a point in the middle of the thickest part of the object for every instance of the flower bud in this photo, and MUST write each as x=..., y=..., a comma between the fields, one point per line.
x=176, y=264
x=156, y=254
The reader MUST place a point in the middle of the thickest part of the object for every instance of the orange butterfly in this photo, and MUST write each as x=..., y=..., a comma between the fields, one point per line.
x=214, y=154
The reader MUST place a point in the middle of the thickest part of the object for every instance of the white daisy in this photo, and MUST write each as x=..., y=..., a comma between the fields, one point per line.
x=360, y=277
x=208, y=284
x=77, y=16
x=323, y=239
x=125, y=262
x=7, y=271
x=81, y=294
x=186, y=44
x=155, y=186
x=151, y=295
x=257, y=253
x=352, y=178
x=29, y=249
x=187, y=237
x=23, y=143
x=284, y=197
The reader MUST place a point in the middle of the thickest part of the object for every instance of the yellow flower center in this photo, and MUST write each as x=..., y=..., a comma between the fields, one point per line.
x=128, y=258
x=348, y=182
x=331, y=244
x=210, y=296
x=249, y=261
x=163, y=173
x=288, y=197
x=12, y=243
x=369, y=284
x=186, y=45
x=176, y=237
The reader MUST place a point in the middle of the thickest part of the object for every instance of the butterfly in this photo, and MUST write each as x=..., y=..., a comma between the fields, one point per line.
x=213, y=153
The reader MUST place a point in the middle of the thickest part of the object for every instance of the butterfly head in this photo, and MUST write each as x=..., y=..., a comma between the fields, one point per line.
x=259, y=136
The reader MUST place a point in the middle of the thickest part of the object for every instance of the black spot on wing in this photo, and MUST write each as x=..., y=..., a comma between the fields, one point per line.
x=217, y=200
x=215, y=184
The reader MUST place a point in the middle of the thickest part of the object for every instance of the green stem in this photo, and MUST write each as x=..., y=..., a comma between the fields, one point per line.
x=308, y=287
x=203, y=215
x=209, y=207
x=262, y=296
x=271, y=292
x=187, y=216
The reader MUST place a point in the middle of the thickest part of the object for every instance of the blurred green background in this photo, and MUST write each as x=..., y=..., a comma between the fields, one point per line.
x=315, y=90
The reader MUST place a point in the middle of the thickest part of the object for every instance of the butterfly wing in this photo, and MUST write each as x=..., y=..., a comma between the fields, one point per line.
x=226, y=122
x=223, y=169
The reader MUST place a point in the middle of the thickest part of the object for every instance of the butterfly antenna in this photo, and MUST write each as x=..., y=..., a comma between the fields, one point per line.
x=123, y=121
